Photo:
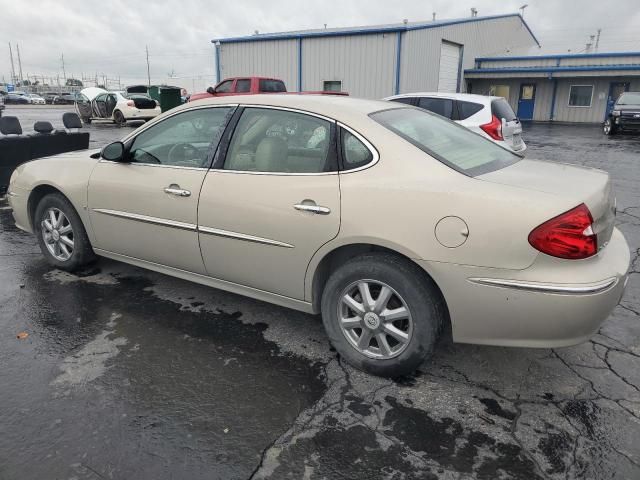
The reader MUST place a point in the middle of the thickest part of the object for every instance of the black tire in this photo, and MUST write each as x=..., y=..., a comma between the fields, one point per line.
x=82, y=253
x=609, y=128
x=87, y=121
x=118, y=117
x=422, y=299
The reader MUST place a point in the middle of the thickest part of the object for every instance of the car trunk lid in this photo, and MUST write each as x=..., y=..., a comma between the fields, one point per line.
x=574, y=184
x=511, y=126
x=143, y=103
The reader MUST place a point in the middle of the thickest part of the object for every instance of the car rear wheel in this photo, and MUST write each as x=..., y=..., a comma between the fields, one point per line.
x=119, y=117
x=609, y=127
x=61, y=234
x=382, y=314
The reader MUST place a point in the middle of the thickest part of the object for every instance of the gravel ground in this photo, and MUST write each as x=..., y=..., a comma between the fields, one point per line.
x=131, y=374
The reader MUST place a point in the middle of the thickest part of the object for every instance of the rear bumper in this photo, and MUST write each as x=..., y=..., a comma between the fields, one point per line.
x=553, y=303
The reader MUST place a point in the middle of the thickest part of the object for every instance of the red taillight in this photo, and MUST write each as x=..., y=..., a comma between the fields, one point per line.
x=130, y=103
x=493, y=128
x=569, y=235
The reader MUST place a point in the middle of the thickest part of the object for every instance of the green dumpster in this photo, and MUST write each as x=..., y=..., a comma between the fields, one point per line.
x=154, y=92
x=169, y=98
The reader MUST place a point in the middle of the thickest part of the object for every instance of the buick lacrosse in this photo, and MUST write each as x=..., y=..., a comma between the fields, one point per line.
x=390, y=221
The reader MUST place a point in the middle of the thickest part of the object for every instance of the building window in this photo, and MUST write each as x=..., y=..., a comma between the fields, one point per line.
x=580, y=95
x=332, y=86
x=499, y=91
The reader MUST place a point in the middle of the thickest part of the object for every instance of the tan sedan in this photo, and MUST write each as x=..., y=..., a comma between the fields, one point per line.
x=389, y=220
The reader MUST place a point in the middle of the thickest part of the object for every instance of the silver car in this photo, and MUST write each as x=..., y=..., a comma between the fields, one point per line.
x=389, y=220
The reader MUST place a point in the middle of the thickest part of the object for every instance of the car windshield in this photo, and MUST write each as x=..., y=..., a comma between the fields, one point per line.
x=452, y=144
x=629, y=98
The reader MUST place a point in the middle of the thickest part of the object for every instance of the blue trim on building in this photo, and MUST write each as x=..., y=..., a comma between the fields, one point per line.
x=398, y=62
x=299, y=64
x=550, y=70
x=566, y=55
x=218, y=64
x=368, y=31
x=553, y=100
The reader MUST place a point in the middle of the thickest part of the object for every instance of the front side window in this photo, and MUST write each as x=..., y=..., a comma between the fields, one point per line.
x=448, y=142
x=267, y=140
x=224, y=87
x=580, y=95
x=181, y=140
x=243, y=85
x=441, y=106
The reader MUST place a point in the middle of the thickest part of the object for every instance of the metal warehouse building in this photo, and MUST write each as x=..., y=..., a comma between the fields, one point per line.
x=565, y=88
x=377, y=61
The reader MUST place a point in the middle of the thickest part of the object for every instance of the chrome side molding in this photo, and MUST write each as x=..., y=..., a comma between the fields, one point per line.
x=146, y=219
x=554, y=288
x=241, y=236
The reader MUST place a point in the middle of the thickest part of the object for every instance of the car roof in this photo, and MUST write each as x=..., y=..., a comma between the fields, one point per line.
x=471, y=97
x=338, y=107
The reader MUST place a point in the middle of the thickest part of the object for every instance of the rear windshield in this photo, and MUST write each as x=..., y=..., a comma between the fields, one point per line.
x=452, y=144
x=272, y=86
x=629, y=98
x=501, y=109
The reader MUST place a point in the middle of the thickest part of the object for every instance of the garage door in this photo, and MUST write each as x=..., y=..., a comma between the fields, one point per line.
x=449, y=67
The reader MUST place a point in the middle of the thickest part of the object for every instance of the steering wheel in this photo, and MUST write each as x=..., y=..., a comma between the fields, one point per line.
x=184, y=151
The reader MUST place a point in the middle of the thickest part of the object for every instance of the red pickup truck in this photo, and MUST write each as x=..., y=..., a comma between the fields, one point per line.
x=250, y=86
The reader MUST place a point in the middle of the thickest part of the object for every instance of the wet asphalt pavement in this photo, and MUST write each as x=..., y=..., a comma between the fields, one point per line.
x=129, y=374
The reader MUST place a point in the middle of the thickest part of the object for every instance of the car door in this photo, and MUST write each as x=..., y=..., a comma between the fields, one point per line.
x=83, y=107
x=147, y=208
x=99, y=108
x=271, y=200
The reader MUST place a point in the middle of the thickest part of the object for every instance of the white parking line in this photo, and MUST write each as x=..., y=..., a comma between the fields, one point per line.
x=6, y=208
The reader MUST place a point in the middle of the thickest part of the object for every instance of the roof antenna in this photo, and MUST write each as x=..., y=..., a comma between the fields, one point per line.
x=434, y=17
x=474, y=12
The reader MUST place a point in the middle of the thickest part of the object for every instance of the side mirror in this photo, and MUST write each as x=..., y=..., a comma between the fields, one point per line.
x=114, y=152
x=211, y=91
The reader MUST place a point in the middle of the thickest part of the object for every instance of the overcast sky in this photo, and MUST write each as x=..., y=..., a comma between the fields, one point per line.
x=109, y=37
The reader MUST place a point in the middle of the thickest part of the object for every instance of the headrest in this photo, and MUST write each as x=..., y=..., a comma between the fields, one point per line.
x=71, y=120
x=271, y=155
x=10, y=126
x=43, y=127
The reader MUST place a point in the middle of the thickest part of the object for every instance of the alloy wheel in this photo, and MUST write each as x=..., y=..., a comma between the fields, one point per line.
x=57, y=234
x=375, y=319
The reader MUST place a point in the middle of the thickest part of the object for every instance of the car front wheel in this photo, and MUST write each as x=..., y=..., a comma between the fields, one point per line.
x=61, y=234
x=609, y=127
x=382, y=314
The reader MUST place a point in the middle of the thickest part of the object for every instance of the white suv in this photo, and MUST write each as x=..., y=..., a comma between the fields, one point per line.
x=491, y=117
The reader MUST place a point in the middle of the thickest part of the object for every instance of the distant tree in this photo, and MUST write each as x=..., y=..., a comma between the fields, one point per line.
x=26, y=83
x=73, y=82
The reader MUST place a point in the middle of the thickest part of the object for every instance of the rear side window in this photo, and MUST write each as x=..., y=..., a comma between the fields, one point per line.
x=406, y=100
x=441, y=106
x=355, y=154
x=272, y=86
x=467, y=109
x=446, y=141
x=243, y=85
x=501, y=109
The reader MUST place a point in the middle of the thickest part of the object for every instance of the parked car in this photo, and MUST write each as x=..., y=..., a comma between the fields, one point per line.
x=249, y=86
x=625, y=115
x=13, y=98
x=389, y=220
x=35, y=99
x=2, y=106
x=491, y=117
x=65, y=99
x=49, y=97
x=99, y=104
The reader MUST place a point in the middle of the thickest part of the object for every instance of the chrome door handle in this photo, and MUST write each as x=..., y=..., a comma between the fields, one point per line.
x=177, y=191
x=320, y=210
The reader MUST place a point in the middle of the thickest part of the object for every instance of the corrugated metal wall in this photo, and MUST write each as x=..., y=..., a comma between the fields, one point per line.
x=273, y=58
x=421, y=48
x=365, y=63
x=544, y=94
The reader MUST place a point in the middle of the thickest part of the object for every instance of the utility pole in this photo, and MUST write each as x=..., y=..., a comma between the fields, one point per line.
x=148, y=72
x=19, y=63
x=13, y=68
x=598, y=39
x=64, y=73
